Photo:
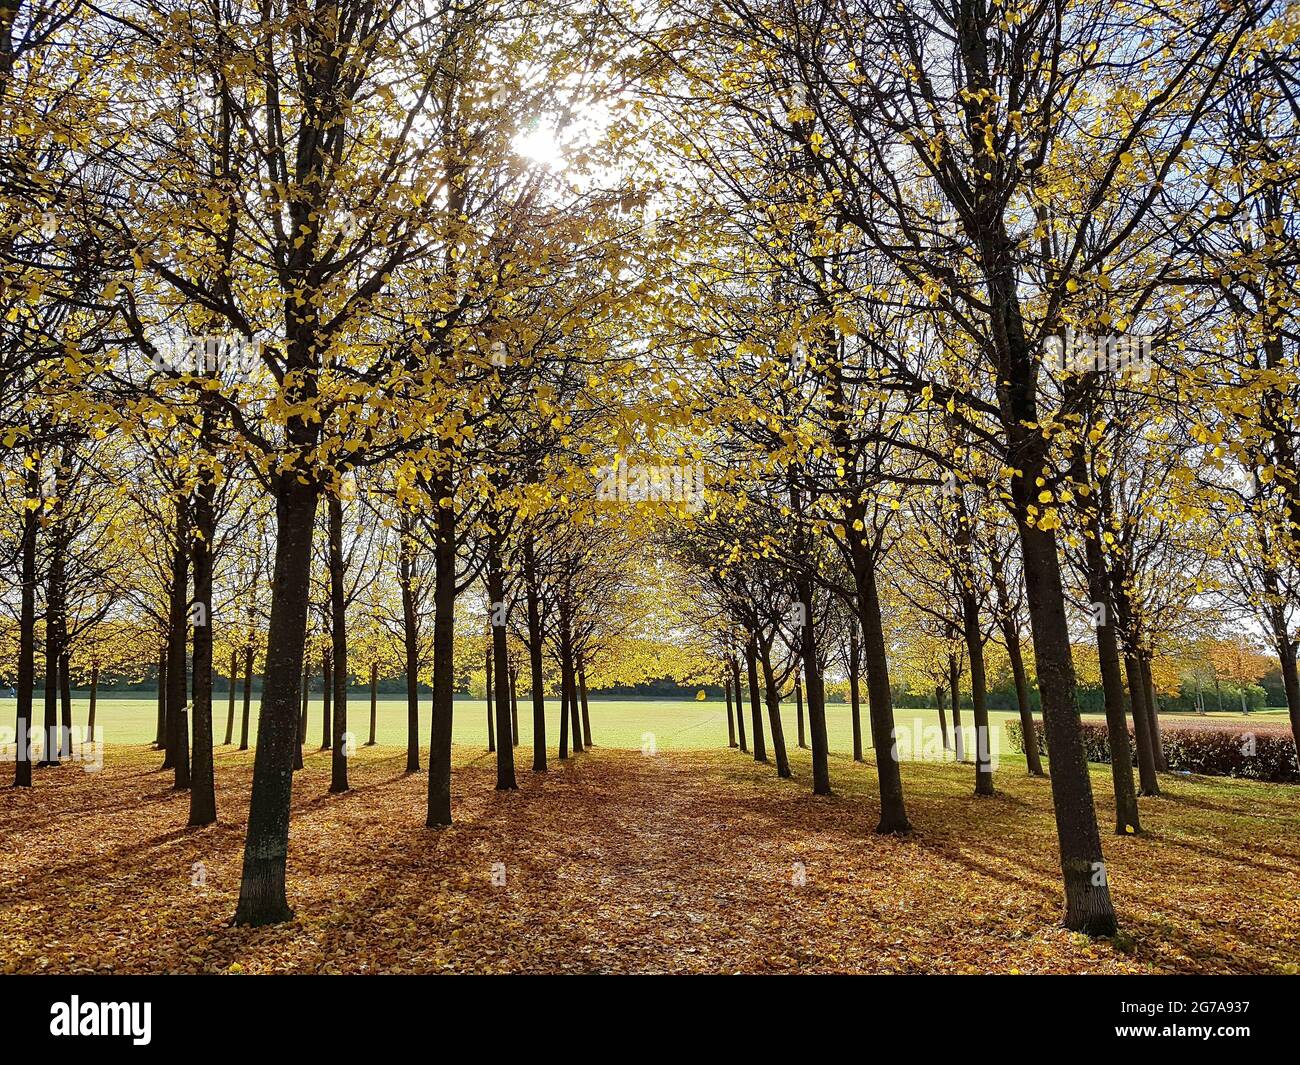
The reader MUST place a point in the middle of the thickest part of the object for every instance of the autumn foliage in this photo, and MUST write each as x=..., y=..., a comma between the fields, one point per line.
x=506, y=352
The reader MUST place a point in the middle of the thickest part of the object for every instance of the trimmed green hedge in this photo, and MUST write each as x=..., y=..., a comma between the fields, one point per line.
x=1263, y=753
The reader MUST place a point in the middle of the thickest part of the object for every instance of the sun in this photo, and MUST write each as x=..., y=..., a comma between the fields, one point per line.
x=540, y=144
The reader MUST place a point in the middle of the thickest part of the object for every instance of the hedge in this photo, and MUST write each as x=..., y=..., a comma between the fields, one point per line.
x=1266, y=752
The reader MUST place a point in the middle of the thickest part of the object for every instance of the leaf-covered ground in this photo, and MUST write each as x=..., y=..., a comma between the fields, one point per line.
x=616, y=862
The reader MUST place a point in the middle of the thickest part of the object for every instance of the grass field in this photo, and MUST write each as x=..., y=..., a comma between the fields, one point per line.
x=674, y=724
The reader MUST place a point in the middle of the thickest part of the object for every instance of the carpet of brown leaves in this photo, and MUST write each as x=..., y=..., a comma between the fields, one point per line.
x=615, y=862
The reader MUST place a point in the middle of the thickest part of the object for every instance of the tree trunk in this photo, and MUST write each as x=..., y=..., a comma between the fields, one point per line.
x=1027, y=728
x=564, y=683
x=798, y=712
x=65, y=700
x=306, y=697
x=740, y=705
x=1148, y=782
x=56, y=626
x=90, y=716
x=1112, y=683
x=943, y=716
x=374, y=701
x=203, y=794
x=563, y=753
x=880, y=700
x=487, y=675
x=1088, y=905
x=954, y=687
x=1285, y=646
x=53, y=647
x=302, y=718
x=262, y=896
x=438, y=811
x=974, y=641
x=774, y=714
x=248, y=697
x=586, y=713
x=751, y=666
x=1121, y=762
x=731, y=720
x=816, y=690
x=1153, y=708
x=27, y=630
x=979, y=708
x=410, y=632
x=338, y=649
x=862, y=565
x=514, y=705
x=855, y=702
x=497, y=606
x=178, y=738
x=326, y=696
x=231, y=678
x=575, y=711
x=569, y=679
x=160, y=735
x=1286, y=650
x=537, y=681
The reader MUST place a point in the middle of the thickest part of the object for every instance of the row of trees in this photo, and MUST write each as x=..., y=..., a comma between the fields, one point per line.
x=981, y=355
x=819, y=337
x=290, y=261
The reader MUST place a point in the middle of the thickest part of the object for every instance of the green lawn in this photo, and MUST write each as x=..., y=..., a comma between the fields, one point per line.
x=675, y=724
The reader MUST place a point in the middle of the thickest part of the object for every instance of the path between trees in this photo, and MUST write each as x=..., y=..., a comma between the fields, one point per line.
x=619, y=862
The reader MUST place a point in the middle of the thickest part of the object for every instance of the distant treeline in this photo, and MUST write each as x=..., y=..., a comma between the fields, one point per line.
x=1268, y=692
